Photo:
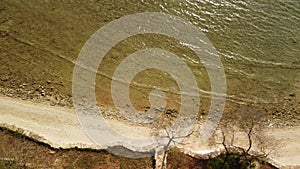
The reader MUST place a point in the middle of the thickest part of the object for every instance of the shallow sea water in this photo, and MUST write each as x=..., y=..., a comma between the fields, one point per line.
x=257, y=41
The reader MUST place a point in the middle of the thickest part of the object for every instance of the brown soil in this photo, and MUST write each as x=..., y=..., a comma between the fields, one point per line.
x=41, y=41
x=18, y=151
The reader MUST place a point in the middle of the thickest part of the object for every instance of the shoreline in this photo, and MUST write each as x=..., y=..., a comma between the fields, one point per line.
x=280, y=115
x=61, y=135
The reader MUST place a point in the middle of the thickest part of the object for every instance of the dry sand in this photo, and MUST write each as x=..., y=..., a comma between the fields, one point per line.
x=60, y=128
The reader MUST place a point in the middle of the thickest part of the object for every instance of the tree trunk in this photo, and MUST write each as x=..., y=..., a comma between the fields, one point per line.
x=160, y=159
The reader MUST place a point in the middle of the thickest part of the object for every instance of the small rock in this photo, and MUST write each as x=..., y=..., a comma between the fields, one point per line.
x=171, y=112
x=5, y=78
x=158, y=110
x=270, y=125
x=48, y=81
x=3, y=34
x=43, y=93
x=292, y=94
x=23, y=85
x=150, y=117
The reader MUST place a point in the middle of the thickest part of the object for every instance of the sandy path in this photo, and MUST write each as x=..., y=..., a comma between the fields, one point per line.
x=59, y=127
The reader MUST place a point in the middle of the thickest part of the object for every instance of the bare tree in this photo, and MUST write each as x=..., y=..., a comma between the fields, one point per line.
x=172, y=139
x=255, y=146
